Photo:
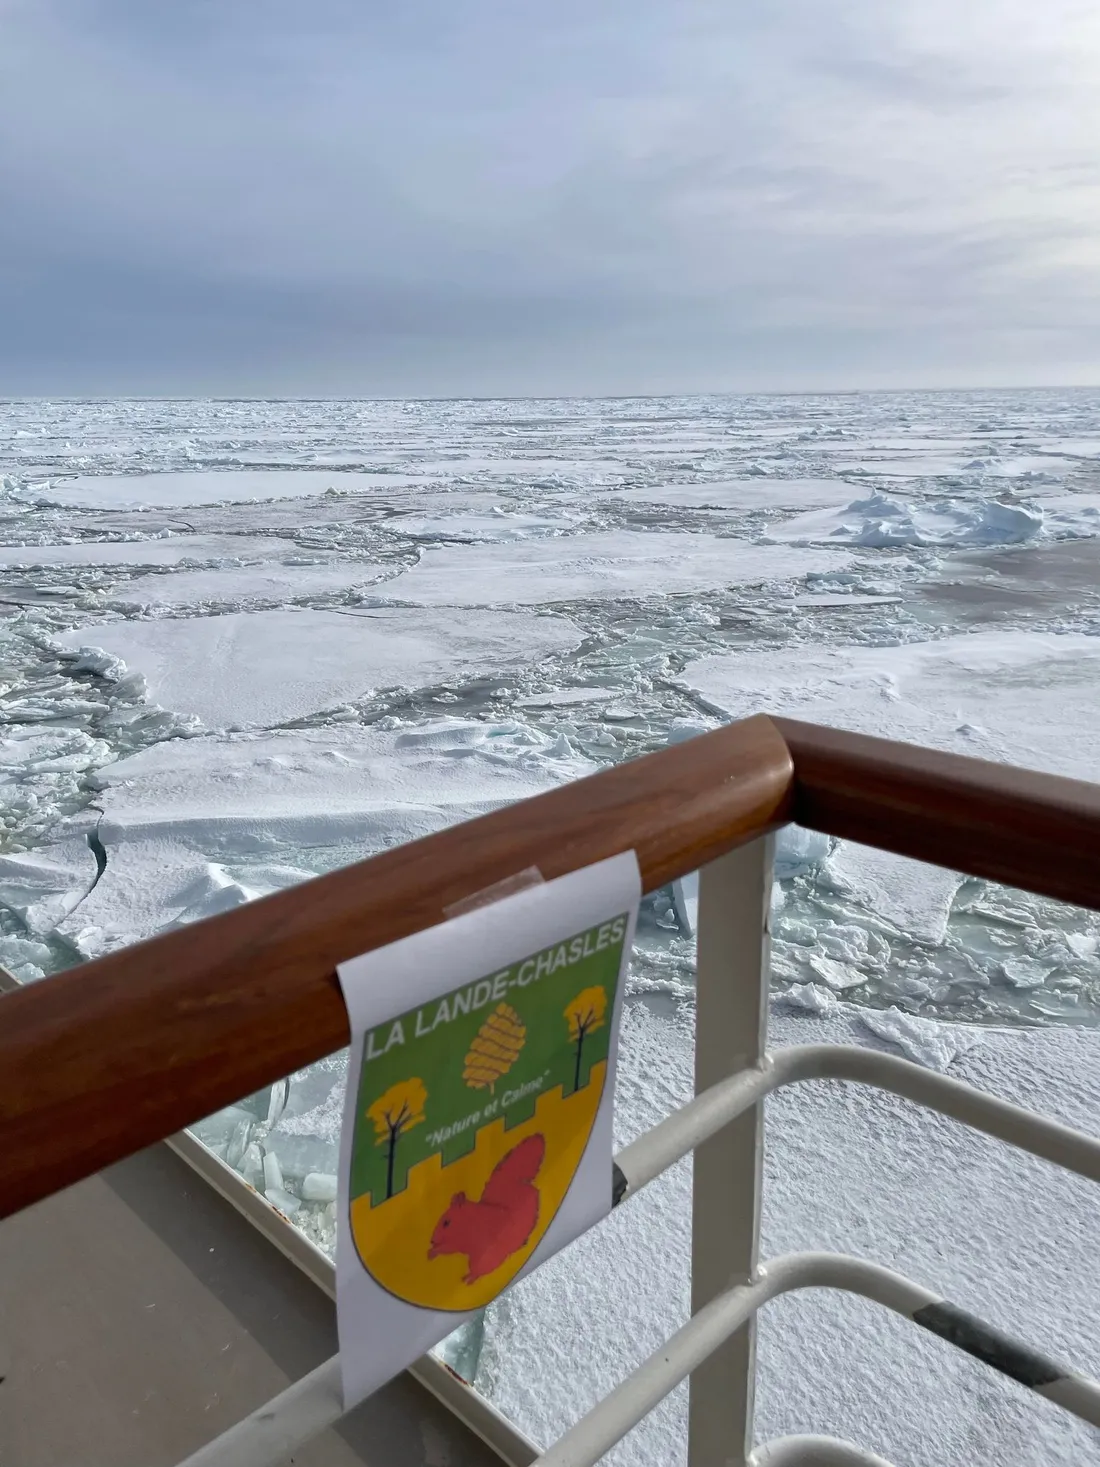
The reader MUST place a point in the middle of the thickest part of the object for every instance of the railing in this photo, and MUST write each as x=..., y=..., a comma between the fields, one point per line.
x=103, y=1060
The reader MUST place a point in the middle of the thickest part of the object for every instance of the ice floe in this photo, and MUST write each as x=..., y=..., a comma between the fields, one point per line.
x=192, y=827
x=928, y=1042
x=277, y=583
x=914, y=896
x=42, y=887
x=567, y=697
x=1037, y=467
x=195, y=487
x=838, y=602
x=1029, y=698
x=501, y=526
x=270, y=667
x=623, y=563
x=740, y=494
x=171, y=550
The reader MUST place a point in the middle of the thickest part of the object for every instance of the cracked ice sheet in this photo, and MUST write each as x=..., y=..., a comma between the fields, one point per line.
x=938, y=467
x=473, y=529
x=915, y=897
x=617, y=564
x=267, y=667
x=238, y=586
x=193, y=827
x=1025, y=698
x=302, y=516
x=743, y=494
x=851, y=1170
x=172, y=550
x=180, y=489
x=42, y=887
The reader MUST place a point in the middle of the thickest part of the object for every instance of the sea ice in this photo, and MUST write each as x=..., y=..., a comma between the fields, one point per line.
x=42, y=762
x=840, y=603
x=475, y=529
x=880, y=520
x=935, y=466
x=927, y=1042
x=623, y=563
x=567, y=697
x=741, y=494
x=810, y=998
x=43, y=886
x=1073, y=516
x=171, y=550
x=302, y=516
x=192, y=827
x=912, y=895
x=279, y=583
x=836, y=976
x=851, y=1170
x=798, y=851
x=525, y=468
x=268, y=667
x=180, y=490
x=916, y=466
x=1026, y=698
x=1076, y=447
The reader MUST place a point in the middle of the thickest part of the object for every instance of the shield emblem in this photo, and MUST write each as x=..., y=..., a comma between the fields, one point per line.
x=473, y=1114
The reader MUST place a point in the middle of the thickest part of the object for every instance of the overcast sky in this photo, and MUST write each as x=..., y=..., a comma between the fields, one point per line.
x=492, y=196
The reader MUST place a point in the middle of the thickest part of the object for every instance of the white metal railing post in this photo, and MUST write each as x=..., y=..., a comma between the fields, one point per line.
x=730, y=1035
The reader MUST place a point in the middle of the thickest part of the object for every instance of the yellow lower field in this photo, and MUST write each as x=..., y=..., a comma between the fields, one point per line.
x=394, y=1238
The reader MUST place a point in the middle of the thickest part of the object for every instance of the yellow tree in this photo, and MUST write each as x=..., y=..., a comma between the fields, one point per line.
x=583, y=1014
x=394, y=1113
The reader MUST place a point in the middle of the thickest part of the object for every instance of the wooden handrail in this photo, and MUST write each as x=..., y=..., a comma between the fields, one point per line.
x=114, y=1055
x=1036, y=831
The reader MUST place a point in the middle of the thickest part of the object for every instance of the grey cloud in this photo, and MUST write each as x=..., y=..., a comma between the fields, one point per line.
x=492, y=197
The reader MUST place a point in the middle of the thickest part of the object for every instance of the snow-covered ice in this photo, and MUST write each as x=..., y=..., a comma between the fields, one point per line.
x=1076, y=447
x=838, y=602
x=171, y=550
x=962, y=466
x=623, y=563
x=192, y=827
x=849, y=1170
x=741, y=494
x=928, y=1042
x=881, y=520
x=567, y=697
x=42, y=887
x=915, y=466
x=1026, y=698
x=476, y=529
x=198, y=487
x=912, y=895
x=268, y=667
x=526, y=468
x=1071, y=515
x=277, y=583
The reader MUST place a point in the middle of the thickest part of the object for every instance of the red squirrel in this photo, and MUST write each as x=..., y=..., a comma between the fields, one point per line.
x=491, y=1230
